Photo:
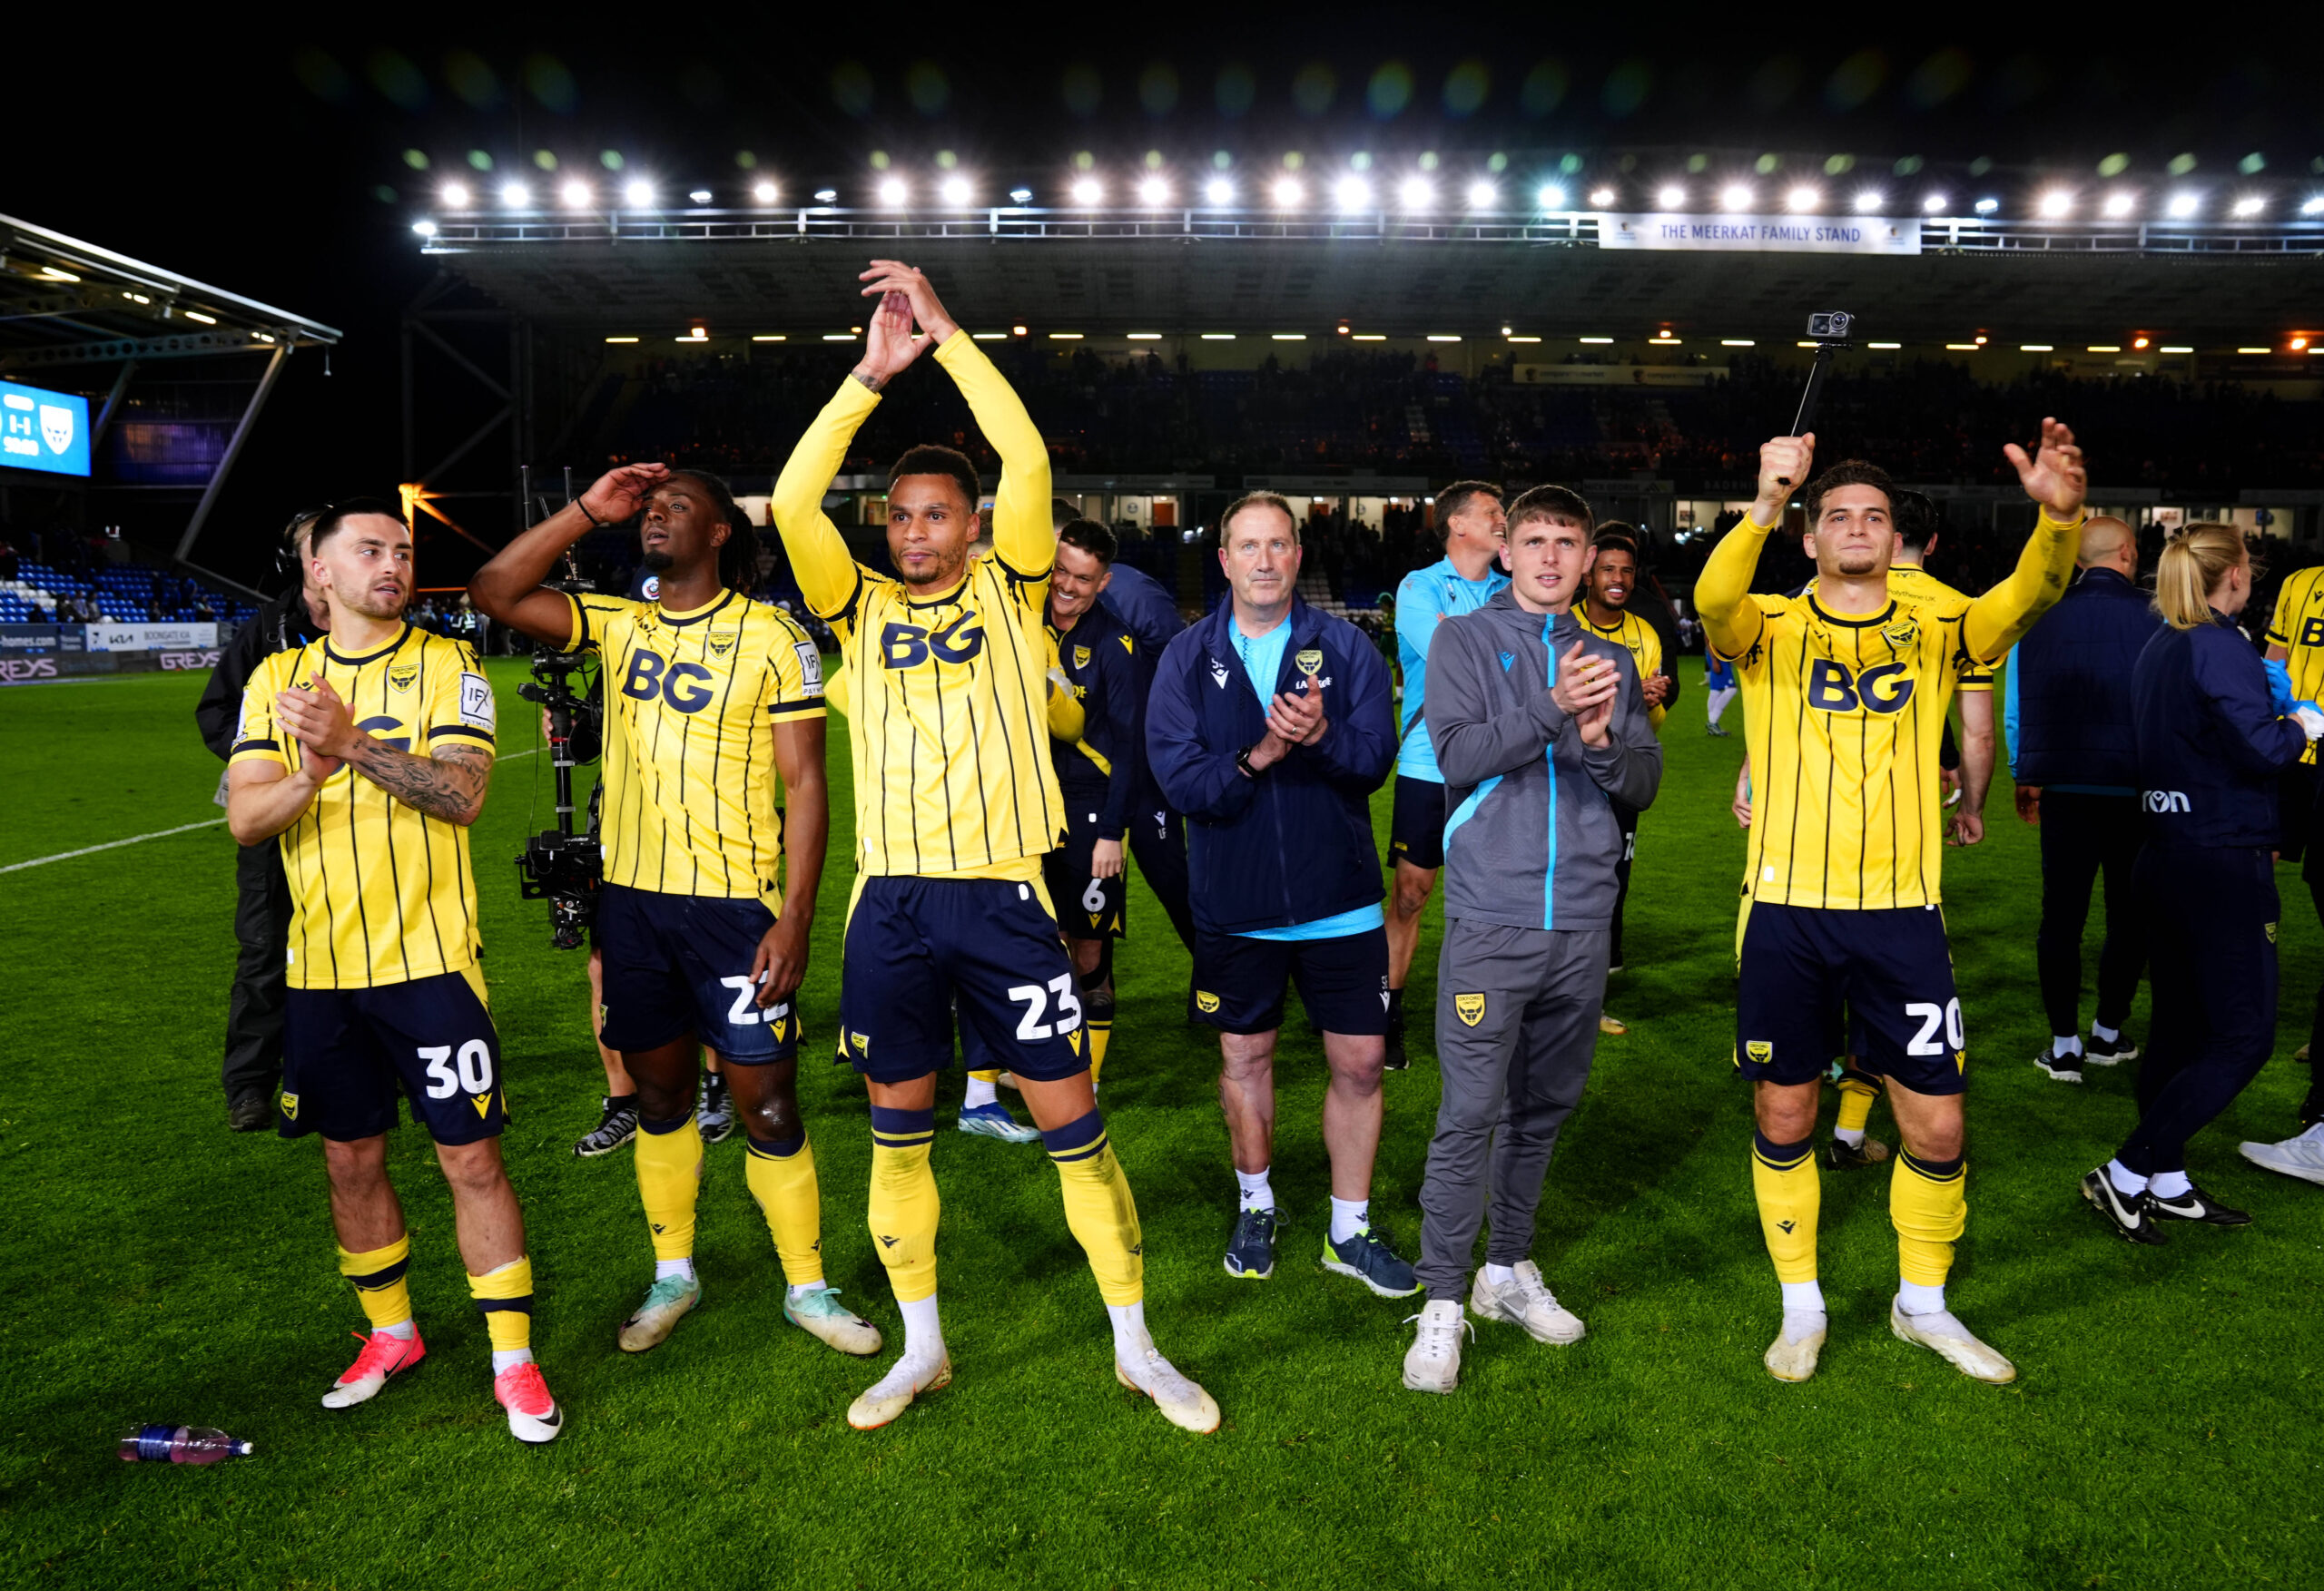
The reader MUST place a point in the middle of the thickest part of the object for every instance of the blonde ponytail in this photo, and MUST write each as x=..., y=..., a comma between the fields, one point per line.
x=2193, y=563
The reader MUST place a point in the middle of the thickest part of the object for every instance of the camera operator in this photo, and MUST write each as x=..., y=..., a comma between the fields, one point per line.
x=254, y=1061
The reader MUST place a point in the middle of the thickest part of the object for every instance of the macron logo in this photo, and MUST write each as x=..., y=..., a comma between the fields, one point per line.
x=2167, y=800
x=1507, y=658
x=1218, y=672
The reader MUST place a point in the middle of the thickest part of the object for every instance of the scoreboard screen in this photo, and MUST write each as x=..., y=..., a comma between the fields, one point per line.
x=43, y=430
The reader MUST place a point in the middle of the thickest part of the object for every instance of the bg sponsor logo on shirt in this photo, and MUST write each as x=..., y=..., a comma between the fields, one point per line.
x=904, y=646
x=1883, y=689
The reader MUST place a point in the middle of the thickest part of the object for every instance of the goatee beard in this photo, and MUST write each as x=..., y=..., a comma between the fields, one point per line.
x=658, y=563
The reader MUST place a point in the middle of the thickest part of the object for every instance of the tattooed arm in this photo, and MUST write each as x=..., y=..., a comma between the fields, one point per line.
x=450, y=784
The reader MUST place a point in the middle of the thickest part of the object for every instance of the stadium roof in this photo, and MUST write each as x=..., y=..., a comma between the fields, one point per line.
x=794, y=273
x=64, y=302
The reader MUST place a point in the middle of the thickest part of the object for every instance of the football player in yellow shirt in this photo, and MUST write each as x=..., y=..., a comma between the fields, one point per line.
x=1845, y=691
x=1605, y=611
x=957, y=803
x=709, y=697
x=369, y=753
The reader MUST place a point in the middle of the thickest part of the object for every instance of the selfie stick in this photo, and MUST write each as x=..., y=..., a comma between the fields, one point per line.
x=1825, y=349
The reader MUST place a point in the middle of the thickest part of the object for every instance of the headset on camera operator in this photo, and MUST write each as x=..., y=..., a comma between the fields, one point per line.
x=253, y=1059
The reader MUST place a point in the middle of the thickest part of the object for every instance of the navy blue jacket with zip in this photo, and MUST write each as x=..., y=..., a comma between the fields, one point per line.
x=2068, y=708
x=1295, y=844
x=2210, y=742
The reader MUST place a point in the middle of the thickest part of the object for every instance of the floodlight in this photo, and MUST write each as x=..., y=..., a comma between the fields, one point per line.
x=1353, y=193
x=1934, y=204
x=826, y=195
x=954, y=190
x=892, y=191
x=764, y=192
x=1551, y=197
x=1735, y=196
x=2183, y=205
x=1155, y=189
x=2056, y=204
x=425, y=229
x=637, y=194
x=1803, y=197
x=456, y=195
x=1088, y=191
x=1020, y=196
x=516, y=195
x=1671, y=196
x=1287, y=191
x=2245, y=209
x=1416, y=192
x=700, y=196
x=575, y=193
x=1867, y=201
x=1602, y=197
x=2119, y=205
x=1481, y=195
x=1987, y=206
x=2313, y=207
x=1219, y=191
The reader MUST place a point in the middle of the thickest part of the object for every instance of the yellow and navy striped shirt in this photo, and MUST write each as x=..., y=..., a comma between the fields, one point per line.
x=1844, y=717
x=690, y=801
x=2297, y=625
x=380, y=892
x=950, y=731
x=1639, y=639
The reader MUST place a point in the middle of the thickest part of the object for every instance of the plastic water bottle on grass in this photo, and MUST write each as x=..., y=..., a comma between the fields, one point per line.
x=179, y=1444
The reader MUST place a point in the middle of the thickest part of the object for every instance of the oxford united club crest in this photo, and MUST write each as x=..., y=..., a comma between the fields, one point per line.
x=1310, y=661
x=403, y=677
x=1469, y=1009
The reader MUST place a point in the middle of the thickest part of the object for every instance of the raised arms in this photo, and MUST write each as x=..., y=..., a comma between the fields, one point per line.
x=2054, y=478
x=509, y=588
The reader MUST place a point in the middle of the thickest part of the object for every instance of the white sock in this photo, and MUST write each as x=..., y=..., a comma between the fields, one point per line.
x=401, y=1331
x=2126, y=1181
x=1914, y=1299
x=1798, y=1296
x=2099, y=1030
x=923, y=1331
x=1257, y=1193
x=1501, y=1275
x=1851, y=1137
x=981, y=1090
x=2071, y=1045
x=1131, y=1338
x=2168, y=1184
x=799, y=1290
x=508, y=1359
x=665, y=1268
x=1349, y=1216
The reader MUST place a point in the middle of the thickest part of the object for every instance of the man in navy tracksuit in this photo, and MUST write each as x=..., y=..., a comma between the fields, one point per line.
x=1270, y=727
x=1541, y=729
x=2074, y=755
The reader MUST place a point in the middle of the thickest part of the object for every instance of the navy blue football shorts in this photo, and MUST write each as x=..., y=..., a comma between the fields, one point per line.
x=1344, y=982
x=1892, y=968
x=918, y=947
x=1088, y=906
x=681, y=964
x=347, y=1052
x=1416, y=822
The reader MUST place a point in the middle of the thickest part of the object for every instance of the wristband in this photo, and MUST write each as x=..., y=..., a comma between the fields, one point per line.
x=1243, y=763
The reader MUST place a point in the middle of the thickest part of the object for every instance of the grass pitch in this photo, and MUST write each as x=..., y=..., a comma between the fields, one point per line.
x=2163, y=1431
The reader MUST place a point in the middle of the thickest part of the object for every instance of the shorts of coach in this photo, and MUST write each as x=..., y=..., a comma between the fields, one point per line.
x=1416, y=822
x=1240, y=982
x=1516, y=1027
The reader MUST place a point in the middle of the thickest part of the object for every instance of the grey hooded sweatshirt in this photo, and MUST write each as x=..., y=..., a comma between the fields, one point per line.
x=1532, y=840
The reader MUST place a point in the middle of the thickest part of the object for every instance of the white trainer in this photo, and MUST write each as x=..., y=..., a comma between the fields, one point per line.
x=894, y=1392
x=1182, y=1403
x=1526, y=1300
x=1433, y=1363
x=2302, y=1157
x=1948, y=1337
x=1792, y=1356
x=668, y=1301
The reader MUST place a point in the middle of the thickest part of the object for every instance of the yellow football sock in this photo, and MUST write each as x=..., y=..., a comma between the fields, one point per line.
x=987, y=1075
x=379, y=1285
x=1101, y=1032
x=1855, y=1103
x=505, y=1294
x=782, y=1179
x=1789, y=1194
x=1928, y=1203
x=1098, y=1002
x=669, y=1179
x=905, y=1203
x=1099, y=1207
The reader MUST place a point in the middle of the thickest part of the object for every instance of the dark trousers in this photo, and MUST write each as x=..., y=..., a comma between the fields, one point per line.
x=2312, y=1109
x=1157, y=839
x=254, y=1062
x=1628, y=817
x=2082, y=836
x=2211, y=916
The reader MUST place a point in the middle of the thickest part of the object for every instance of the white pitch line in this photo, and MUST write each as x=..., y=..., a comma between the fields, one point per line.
x=66, y=856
